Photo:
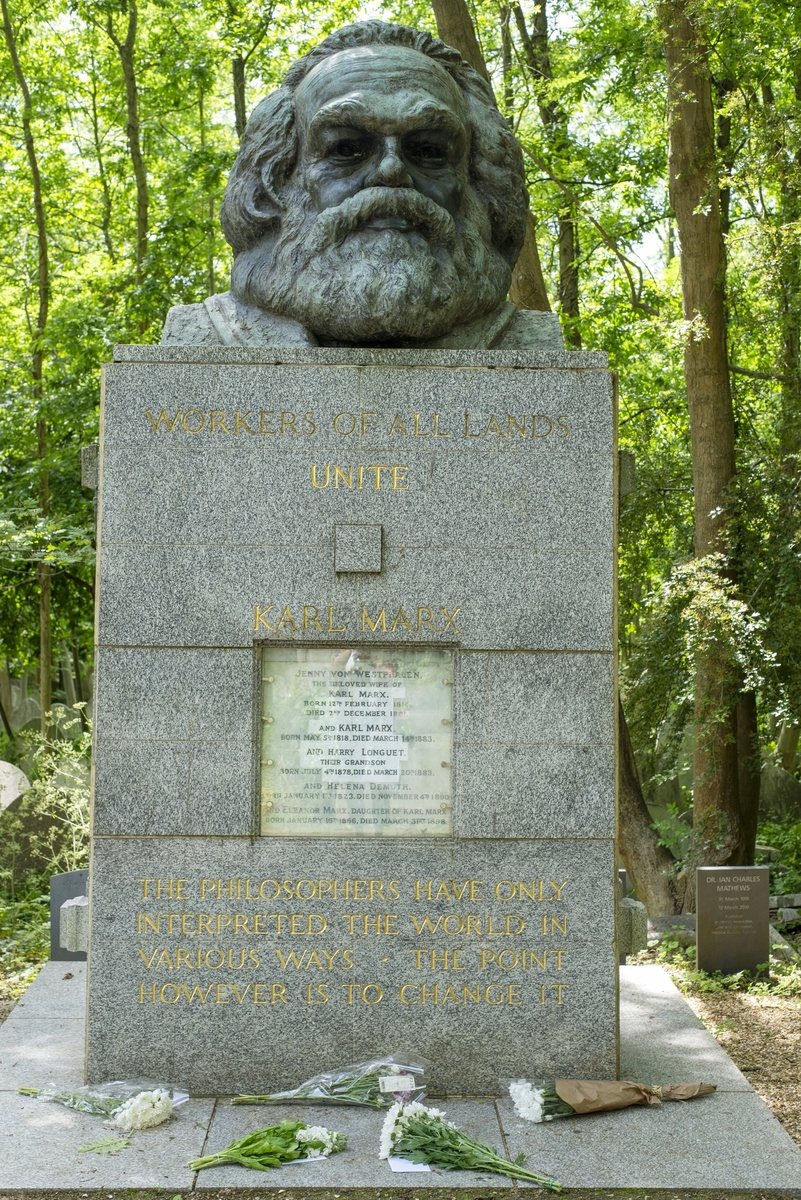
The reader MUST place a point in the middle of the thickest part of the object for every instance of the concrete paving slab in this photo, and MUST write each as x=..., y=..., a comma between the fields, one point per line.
x=358, y=1165
x=59, y=989
x=661, y=1039
x=729, y=1140
x=726, y=1140
x=39, y=1143
x=39, y=1052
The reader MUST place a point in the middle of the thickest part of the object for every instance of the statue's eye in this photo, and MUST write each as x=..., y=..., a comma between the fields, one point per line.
x=350, y=148
x=429, y=152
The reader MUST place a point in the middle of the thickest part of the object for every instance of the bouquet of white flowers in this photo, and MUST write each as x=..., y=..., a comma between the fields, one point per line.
x=130, y=1103
x=276, y=1145
x=422, y=1135
x=575, y=1097
x=377, y=1083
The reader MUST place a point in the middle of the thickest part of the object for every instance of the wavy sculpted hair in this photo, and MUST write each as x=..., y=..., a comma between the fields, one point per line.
x=254, y=202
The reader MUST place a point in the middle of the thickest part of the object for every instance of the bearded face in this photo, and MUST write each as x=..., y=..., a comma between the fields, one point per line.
x=383, y=239
x=385, y=266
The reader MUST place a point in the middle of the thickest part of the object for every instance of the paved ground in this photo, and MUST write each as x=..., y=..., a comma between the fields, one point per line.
x=728, y=1141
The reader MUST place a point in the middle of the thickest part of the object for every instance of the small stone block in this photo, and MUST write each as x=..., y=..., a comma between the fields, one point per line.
x=74, y=925
x=357, y=548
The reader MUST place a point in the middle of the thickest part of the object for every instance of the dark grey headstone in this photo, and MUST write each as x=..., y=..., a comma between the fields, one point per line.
x=65, y=887
x=732, y=918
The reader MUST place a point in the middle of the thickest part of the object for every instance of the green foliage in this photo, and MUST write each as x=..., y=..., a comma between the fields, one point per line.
x=24, y=936
x=785, y=874
x=48, y=830
x=783, y=979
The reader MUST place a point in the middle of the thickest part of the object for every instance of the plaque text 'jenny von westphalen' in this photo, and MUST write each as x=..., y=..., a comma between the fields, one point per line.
x=356, y=741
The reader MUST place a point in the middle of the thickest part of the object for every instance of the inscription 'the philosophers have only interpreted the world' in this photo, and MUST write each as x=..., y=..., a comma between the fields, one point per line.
x=507, y=936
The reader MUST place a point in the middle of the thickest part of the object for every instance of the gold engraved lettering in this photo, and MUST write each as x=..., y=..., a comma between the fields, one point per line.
x=259, y=615
x=148, y=990
x=398, y=479
x=560, y=987
x=417, y=432
x=243, y=995
x=378, y=470
x=450, y=619
x=404, y=989
x=511, y=422
x=493, y=426
x=367, y=422
x=147, y=961
x=218, y=419
x=360, y=479
x=308, y=419
x=338, y=422
x=562, y=423
x=381, y=620
x=278, y=992
x=428, y=619
x=194, y=412
x=219, y=992
x=381, y=923
x=320, y=993
x=401, y=619
x=311, y=619
x=557, y=887
x=340, y=474
x=436, y=431
x=286, y=619
x=540, y=417
x=263, y=429
x=315, y=484
x=561, y=926
x=162, y=419
x=258, y=992
x=331, y=627
x=288, y=422
x=397, y=426
x=242, y=422
x=467, y=432
x=513, y=993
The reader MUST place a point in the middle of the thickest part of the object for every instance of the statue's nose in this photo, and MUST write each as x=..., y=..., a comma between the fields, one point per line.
x=391, y=170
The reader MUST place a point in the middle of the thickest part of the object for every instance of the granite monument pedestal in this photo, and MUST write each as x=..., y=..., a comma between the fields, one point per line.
x=354, y=783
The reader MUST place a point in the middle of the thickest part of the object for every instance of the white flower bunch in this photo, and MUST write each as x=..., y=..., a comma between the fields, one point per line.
x=143, y=1111
x=396, y=1121
x=528, y=1101
x=329, y=1138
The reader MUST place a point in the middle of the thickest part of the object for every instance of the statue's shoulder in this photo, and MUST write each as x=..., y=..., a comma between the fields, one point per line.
x=531, y=330
x=223, y=321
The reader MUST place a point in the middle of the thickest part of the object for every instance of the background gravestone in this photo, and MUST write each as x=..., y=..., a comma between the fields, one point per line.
x=732, y=918
x=355, y=715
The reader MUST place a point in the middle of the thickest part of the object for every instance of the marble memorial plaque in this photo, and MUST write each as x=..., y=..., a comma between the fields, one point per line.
x=356, y=741
x=732, y=918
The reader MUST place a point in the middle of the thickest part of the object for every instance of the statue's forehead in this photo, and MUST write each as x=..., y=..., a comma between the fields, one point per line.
x=378, y=77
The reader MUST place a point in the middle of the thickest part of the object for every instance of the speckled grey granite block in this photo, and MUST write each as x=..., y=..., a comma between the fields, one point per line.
x=525, y=1011
x=228, y=483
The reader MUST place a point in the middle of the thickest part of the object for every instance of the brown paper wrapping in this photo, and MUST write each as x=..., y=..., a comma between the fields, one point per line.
x=687, y=1091
x=602, y=1095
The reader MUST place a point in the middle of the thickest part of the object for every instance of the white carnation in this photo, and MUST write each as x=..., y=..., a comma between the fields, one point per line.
x=317, y=1133
x=395, y=1121
x=143, y=1111
x=528, y=1100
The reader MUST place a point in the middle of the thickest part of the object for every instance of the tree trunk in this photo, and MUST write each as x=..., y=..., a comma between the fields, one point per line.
x=126, y=50
x=37, y=353
x=554, y=120
x=455, y=27
x=695, y=199
x=240, y=108
x=749, y=762
x=650, y=866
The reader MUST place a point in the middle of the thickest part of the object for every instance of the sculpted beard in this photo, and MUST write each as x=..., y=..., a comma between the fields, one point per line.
x=347, y=282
